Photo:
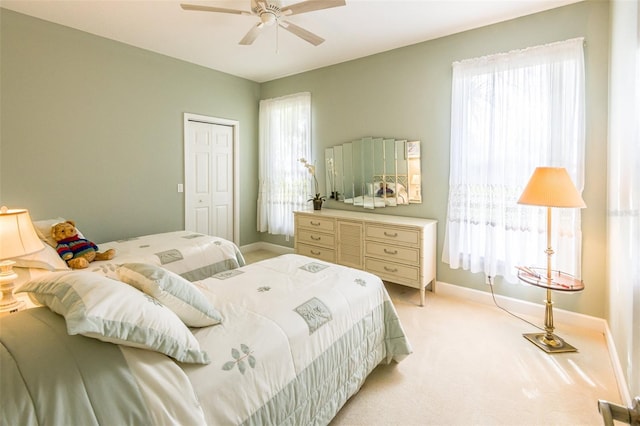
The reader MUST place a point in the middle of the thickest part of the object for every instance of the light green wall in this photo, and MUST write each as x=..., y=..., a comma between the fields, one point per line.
x=405, y=93
x=91, y=129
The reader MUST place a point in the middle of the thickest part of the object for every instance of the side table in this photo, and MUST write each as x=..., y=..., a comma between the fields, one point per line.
x=558, y=281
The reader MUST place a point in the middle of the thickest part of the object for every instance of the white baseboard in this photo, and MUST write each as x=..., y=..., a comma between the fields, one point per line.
x=248, y=248
x=623, y=388
x=523, y=307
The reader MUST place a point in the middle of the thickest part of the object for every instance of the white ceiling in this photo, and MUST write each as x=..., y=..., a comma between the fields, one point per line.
x=361, y=28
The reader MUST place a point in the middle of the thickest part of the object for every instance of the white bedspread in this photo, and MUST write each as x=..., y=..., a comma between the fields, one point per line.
x=299, y=337
x=192, y=255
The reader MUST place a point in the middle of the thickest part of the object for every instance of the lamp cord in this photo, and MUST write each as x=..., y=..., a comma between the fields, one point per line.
x=490, y=278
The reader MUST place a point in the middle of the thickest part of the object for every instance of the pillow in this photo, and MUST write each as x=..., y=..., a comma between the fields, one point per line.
x=111, y=311
x=175, y=292
x=43, y=229
x=48, y=259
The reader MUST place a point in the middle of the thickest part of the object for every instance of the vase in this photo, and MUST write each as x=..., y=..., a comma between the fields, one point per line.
x=317, y=204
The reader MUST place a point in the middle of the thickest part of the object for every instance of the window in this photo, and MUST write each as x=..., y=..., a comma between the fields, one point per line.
x=283, y=183
x=510, y=113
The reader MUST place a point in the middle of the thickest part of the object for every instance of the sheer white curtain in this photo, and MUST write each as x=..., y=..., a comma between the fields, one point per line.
x=284, y=138
x=510, y=113
x=623, y=212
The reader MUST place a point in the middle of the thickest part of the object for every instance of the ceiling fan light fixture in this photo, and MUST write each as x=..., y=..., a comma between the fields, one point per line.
x=268, y=18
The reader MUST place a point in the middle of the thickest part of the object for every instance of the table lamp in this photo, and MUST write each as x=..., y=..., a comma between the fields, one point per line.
x=550, y=187
x=17, y=238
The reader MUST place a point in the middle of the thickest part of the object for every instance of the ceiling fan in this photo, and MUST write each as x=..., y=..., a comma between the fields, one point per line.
x=270, y=13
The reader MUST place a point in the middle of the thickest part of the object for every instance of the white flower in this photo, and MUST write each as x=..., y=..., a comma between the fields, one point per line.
x=312, y=171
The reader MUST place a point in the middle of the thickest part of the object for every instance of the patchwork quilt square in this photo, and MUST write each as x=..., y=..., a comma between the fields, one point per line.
x=314, y=267
x=192, y=236
x=315, y=313
x=169, y=256
x=227, y=274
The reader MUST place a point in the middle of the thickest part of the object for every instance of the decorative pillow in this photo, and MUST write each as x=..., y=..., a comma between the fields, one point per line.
x=111, y=311
x=48, y=259
x=43, y=229
x=175, y=292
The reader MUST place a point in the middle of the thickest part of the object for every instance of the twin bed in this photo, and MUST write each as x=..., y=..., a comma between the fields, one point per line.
x=177, y=330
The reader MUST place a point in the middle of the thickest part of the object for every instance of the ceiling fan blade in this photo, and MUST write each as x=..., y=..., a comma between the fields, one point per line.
x=261, y=5
x=213, y=9
x=253, y=33
x=310, y=6
x=301, y=32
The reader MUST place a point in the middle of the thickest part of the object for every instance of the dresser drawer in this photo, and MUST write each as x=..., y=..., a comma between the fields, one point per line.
x=318, y=223
x=393, y=235
x=408, y=255
x=321, y=253
x=394, y=272
x=316, y=238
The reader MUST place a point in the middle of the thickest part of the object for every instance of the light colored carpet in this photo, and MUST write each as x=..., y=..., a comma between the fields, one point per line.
x=471, y=366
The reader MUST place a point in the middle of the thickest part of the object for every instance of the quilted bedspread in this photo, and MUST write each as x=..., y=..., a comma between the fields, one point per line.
x=298, y=338
x=322, y=329
x=192, y=255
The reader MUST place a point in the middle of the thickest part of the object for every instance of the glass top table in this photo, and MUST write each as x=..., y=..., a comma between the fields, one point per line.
x=559, y=281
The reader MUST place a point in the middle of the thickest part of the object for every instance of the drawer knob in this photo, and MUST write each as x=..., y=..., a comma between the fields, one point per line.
x=388, y=234
x=314, y=223
x=386, y=268
x=315, y=253
x=387, y=251
x=315, y=238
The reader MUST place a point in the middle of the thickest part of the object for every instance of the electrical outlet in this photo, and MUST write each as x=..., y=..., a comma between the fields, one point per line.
x=488, y=280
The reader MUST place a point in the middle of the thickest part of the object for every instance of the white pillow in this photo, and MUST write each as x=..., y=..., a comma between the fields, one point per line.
x=48, y=259
x=175, y=292
x=111, y=311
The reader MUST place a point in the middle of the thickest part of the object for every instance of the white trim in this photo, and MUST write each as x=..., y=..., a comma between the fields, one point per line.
x=623, y=387
x=523, y=307
x=236, y=161
x=261, y=245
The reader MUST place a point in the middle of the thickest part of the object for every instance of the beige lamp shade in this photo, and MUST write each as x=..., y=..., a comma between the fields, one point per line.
x=18, y=237
x=551, y=187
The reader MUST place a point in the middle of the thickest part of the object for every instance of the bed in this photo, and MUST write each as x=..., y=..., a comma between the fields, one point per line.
x=283, y=341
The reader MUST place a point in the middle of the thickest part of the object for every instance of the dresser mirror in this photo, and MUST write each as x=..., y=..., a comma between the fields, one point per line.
x=374, y=172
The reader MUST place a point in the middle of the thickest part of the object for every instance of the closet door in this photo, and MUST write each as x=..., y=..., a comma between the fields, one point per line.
x=209, y=184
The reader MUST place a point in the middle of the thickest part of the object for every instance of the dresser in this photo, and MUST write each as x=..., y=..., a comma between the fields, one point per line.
x=398, y=249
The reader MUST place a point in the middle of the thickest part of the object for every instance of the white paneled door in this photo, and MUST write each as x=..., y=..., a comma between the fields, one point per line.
x=209, y=178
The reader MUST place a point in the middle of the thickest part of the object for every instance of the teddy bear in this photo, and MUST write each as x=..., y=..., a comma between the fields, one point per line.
x=77, y=252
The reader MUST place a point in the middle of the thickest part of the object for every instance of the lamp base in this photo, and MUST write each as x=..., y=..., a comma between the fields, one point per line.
x=552, y=346
x=11, y=308
x=8, y=303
